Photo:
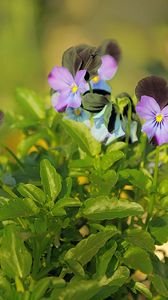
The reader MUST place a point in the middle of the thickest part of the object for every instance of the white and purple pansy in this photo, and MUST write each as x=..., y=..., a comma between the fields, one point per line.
x=68, y=88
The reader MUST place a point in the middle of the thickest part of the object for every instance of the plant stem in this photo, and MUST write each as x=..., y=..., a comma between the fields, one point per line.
x=128, y=128
x=90, y=87
x=154, y=186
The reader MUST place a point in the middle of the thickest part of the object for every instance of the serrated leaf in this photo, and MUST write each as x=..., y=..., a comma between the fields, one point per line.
x=101, y=208
x=82, y=136
x=15, y=258
x=159, y=228
x=110, y=158
x=32, y=191
x=138, y=259
x=140, y=238
x=11, y=208
x=51, y=180
x=86, y=249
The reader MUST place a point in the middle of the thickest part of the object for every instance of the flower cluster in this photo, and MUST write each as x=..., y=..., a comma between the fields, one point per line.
x=81, y=91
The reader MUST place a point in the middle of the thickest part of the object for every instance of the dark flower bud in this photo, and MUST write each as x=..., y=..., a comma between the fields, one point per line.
x=110, y=47
x=82, y=57
x=154, y=87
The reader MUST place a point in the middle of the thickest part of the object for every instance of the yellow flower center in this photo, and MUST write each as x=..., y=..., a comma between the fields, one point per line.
x=95, y=79
x=77, y=112
x=74, y=89
x=159, y=118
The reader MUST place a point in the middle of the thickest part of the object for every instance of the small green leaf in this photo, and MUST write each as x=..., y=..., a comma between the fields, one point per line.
x=11, y=208
x=15, y=258
x=159, y=228
x=82, y=136
x=32, y=192
x=110, y=158
x=142, y=288
x=138, y=259
x=140, y=238
x=68, y=202
x=160, y=284
x=76, y=267
x=104, y=259
x=51, y=180
x=86, y=249
x=101, y=208
x=163, y=187
x=136, y=177
x=30, y=103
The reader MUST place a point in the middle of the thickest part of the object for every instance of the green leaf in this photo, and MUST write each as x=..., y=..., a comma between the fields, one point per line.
x=11, y=208
x=50, y=179
x=82, y=136
x=160, y=284
x=159, y=228
x=94, y=102
x=68, y=202
x=15, y=258
x=30, y=103
x=163, y=187
x=110, y=158
x=104, y=260
x=112, y=284
x=102, y=183
x=140, y=238
x=138, y=259
x=86, y=249
x=76, y=267
x=32, y=192
x=136, y=177
x=40, y=288
x=101, y=208
x=142, y=288
x=80, y=289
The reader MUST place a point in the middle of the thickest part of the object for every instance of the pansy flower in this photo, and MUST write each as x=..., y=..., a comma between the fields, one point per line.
x=110, y=56
x=77, y=114
x=69, y=88
x=152, y=93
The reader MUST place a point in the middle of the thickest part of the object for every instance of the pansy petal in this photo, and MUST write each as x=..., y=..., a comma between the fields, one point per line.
x=100, y=134
x=59, y=101
x=101, y=85
x=74, y=100
x=108, y=67
x=149, y=128
x=80, y=76
x=60, y=78
x=161, y=134
x=147, y=108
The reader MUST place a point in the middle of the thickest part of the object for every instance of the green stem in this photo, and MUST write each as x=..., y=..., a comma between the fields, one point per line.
x=90, y=87
x=15, y=157
x=143, y=149
x=128, y=129
x=154, y=186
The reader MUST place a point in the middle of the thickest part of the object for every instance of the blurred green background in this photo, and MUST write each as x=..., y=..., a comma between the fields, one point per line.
x=35, y=33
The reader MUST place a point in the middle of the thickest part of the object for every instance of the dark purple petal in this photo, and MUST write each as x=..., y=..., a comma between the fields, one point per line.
x=110, y=47
x=154, y=87
x=60, y=78
x=108, y=67
x=147, y=108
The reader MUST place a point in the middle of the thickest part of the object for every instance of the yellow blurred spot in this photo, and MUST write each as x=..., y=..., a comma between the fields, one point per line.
x=123, y=195
x=82, y=180
x=159, y=118
x=74, y=89
x=41, y=143
x=128, y=187
x=84, y=231
x=96, y=79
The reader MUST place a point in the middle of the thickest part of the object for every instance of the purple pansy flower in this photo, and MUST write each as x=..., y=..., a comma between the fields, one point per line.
x=69, y=88
x=153, y=108
x=106, y=71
